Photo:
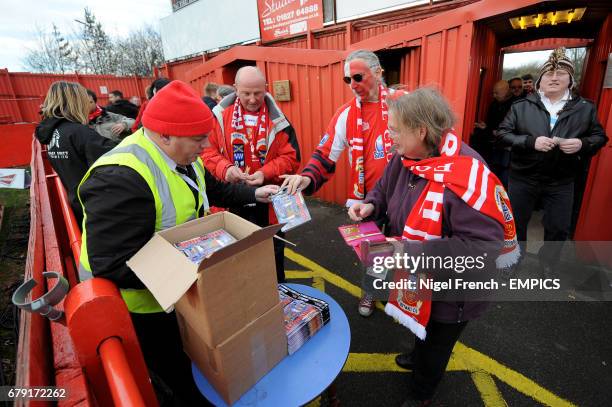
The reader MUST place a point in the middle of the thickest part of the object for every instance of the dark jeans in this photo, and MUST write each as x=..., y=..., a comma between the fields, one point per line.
x=259, y=215
x=557, y=201
x=499, y=164
x=169, y=367
x=431, y=357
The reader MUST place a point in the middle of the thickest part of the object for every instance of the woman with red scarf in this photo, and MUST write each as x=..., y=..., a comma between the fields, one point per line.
x=436, y=188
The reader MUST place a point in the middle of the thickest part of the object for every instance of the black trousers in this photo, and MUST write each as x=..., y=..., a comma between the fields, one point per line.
x=259, y=215
x=169, y=367
x=557, y=201
x=431, y=357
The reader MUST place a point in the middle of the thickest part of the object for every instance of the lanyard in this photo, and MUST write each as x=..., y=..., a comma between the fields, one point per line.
x=195, y=186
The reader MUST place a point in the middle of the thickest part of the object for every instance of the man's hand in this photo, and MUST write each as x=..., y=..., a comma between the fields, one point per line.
x=255, y=179
x=571, y=145
x=359, y=211
x=544, y=144
x=294, y=183
x=234, y=175
x=118, y=128
x=262, y=194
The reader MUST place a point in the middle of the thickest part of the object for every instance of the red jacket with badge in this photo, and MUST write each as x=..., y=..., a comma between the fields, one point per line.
x=339, y=135
x=278, y=151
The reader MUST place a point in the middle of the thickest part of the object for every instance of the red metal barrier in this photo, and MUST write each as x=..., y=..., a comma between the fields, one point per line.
x=16, y=144
x=22, y=93
x=95, y=312
x=119, y=374
x=68, y=356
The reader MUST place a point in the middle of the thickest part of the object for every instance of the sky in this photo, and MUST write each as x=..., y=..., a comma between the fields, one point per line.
x=522, y=58
x=19, y=20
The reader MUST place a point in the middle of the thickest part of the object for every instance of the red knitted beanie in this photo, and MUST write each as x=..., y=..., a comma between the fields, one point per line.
x=177, y=110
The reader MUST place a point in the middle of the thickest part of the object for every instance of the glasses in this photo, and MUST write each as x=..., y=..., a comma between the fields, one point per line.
x=516, y=87
x=357, y=78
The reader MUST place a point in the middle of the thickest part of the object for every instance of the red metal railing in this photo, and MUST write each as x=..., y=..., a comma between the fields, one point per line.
x=98, y=364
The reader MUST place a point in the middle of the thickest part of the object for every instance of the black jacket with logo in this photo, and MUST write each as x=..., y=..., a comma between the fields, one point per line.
x=528, y=119
x=72, y=149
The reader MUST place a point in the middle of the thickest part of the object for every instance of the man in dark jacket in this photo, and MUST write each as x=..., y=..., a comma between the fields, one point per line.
x=498, y=157
x=121, y=106
x=551, y=132
x=210, y=92
x=72, y=149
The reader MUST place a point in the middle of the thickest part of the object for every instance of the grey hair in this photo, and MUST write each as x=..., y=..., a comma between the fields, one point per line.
x=424, y=107
x=370, y=58
x=225, y=90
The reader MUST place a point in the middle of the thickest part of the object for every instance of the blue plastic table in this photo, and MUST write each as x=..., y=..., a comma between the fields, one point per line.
x=300, y=377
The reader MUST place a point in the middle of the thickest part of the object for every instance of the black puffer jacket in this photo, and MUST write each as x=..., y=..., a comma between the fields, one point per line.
x=528, y=119
x=72, y=149
x=124, y=108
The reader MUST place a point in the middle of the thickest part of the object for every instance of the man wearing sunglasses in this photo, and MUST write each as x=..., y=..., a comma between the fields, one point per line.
x=360, y=125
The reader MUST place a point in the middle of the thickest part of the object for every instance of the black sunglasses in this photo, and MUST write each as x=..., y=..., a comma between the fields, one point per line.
x=357, y=78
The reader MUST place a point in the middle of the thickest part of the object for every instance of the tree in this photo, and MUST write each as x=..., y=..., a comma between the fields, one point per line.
x=95, y=46
x=54, y=53
x=92, y=50
x=139, y=52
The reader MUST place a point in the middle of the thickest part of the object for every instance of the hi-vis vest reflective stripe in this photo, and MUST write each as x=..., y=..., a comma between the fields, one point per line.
x=174, y=202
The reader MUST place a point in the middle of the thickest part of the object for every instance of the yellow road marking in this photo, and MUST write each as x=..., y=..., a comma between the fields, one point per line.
x=314, y=403
x=384, y=362
x=464, y=358
x=477, y=361
x=489, y=392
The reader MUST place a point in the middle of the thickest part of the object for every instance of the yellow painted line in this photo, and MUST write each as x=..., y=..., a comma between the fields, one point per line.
x=478, y=361
x=384, y=362
x=318, y=283
x=471, y=359
x=298, y=274
x=326, y=274
x=491, y=397
x=314, y=403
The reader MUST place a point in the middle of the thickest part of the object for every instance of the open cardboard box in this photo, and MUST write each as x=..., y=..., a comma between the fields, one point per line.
x=234, y=366
x=225, y=292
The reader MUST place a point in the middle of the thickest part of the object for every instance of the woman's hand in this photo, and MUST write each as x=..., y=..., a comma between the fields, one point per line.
x=359, y=211
x=294, y=183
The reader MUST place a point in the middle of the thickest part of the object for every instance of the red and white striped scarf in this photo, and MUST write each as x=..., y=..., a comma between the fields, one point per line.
x=477, y=186
x=357, y=142
x=260, y=128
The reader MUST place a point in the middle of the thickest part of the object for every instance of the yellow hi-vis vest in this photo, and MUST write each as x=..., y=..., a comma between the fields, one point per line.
x=174, y=202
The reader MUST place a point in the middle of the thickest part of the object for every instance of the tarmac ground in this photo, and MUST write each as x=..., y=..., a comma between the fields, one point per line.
x=517, y=354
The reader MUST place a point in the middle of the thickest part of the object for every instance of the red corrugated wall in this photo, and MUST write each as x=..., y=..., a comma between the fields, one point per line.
x=21, y=93
x=485, y=61
x=179, y=69
x=548, y=43
x=316, y=95
x=594, y=222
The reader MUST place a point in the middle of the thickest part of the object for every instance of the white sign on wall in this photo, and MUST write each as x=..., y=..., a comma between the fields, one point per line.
x=208, y=25
x=13, y=178
x=352, y=9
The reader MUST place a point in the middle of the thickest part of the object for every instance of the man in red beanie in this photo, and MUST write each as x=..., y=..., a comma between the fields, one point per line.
x=153, y=180
x=252, y=142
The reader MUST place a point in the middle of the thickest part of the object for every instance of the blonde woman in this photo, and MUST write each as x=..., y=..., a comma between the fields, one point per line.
x=72, y=146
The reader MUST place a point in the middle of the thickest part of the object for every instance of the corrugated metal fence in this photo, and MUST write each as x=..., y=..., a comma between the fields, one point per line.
x=22, y=93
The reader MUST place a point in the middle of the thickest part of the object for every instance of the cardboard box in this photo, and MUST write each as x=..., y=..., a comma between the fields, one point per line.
x=235, y=365
x=233, y=287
